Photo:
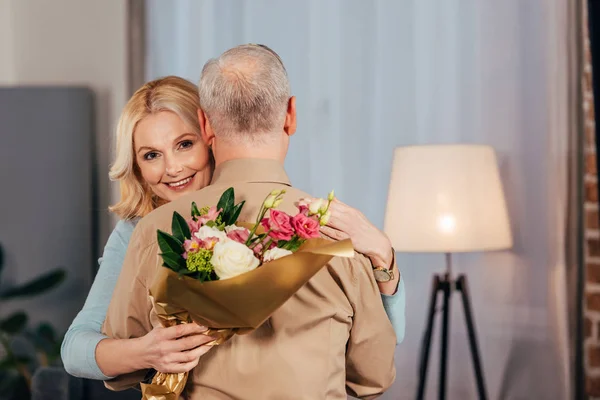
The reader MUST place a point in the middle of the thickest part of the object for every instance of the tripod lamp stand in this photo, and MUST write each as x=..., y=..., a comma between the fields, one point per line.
x=447, y=199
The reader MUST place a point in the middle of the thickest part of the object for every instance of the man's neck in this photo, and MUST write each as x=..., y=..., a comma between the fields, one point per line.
x=223, y=154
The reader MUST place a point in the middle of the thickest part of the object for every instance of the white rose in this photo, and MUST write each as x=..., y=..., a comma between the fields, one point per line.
x=207, y=231
x=275, y=253
x=316, y=205
x=231, y=258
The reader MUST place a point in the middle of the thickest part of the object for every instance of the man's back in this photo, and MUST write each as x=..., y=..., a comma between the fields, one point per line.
x=333, y=333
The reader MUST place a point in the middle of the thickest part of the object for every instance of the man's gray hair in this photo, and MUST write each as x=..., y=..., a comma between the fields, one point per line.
x=245, y=93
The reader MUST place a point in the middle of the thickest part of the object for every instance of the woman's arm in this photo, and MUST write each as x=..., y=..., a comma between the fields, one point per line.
x=78, y=349
x=170, y=350
x=347, y=222
x=87, y=353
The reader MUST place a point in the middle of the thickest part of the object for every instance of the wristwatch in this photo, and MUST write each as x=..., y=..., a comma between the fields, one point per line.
x=383, y=274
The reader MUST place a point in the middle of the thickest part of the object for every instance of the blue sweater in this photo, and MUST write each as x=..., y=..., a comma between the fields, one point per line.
x=78, y=349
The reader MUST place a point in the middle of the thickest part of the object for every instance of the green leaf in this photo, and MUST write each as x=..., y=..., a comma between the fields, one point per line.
x=168, y=243
x=226, y=203
x=37, y=286
x=7, y=364
x=294, y=246
x=235, y=213
x=207, y=276
x=173, y=260
x=195, y=211
x=46, y=332
x=187, y=272
x=204, y=276
x=23, y=359
x=180, y=228
x=15, y=323
x=44, y=338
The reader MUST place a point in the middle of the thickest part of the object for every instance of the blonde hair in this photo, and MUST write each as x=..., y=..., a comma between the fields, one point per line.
x=170, y=93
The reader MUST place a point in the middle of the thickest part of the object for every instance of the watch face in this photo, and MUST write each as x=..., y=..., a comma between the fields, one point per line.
x=382, y=275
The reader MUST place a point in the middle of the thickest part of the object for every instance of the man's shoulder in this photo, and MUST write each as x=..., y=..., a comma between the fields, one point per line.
x=181, y=205
x=252, y=192
x=160, y=218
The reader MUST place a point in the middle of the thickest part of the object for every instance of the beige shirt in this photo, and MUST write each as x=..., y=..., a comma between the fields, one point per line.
x=331, y=338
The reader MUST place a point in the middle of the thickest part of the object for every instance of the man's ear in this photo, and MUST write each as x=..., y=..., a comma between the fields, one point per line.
x=205, y=129
x=289, y=126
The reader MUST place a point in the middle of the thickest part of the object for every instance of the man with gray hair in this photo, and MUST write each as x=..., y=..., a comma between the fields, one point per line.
x=332, y=338
x=245, y=94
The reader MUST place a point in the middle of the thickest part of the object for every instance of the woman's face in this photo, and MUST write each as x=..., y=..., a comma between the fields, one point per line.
x=172, y=158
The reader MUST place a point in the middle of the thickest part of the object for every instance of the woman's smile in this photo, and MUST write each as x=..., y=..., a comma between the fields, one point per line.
x=181, y=184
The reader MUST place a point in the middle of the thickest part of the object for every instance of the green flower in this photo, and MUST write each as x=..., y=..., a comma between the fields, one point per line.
x=200, y=261
x=204, y=210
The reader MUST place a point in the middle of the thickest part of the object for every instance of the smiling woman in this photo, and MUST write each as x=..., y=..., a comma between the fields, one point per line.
x=167, y=155
x=160, y=156
x=159, y=147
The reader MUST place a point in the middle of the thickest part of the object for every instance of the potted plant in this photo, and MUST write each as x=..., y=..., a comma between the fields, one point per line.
x=39, y=345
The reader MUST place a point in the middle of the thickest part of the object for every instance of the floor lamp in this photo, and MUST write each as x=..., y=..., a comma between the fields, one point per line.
x=447, y=199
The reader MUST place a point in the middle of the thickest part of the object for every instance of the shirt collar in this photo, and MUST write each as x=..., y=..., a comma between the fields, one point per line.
x=250, y=170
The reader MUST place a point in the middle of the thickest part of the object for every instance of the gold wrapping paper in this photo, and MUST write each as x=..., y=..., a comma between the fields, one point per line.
x=233, y=306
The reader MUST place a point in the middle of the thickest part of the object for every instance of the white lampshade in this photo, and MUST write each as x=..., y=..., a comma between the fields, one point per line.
x=446, y=198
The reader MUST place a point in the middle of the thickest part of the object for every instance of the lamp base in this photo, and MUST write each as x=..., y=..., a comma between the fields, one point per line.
x=446, y=285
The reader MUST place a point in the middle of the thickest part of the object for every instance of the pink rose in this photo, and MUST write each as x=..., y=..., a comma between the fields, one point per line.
x=306, y=227
x=279, y=224
x=239, y=235
x=212, y=214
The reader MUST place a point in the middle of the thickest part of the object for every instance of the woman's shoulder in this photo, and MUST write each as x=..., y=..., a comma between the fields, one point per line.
x=127, y=224
x=124, y=228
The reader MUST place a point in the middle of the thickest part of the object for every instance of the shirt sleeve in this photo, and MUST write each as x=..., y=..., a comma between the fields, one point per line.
x=128, y=314
x=395, y=308
x=370, y=369
x=78, y=349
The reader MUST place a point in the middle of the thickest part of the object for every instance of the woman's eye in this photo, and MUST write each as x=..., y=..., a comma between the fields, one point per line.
x=186, y=144
x=151, y=155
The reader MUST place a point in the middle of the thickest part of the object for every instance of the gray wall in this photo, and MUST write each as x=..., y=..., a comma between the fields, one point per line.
x=46, y=201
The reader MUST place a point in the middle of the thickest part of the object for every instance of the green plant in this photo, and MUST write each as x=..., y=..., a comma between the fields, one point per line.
x=17, y=366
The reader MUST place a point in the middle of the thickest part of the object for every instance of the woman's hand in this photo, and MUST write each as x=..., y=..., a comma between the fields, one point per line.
x=175, y=349
x=347, y=222
x=171, y=350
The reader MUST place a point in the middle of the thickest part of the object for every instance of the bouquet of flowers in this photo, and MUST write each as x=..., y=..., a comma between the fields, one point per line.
x=231, y=276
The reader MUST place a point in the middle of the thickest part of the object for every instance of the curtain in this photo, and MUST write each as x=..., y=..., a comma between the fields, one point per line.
x=370, y=76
